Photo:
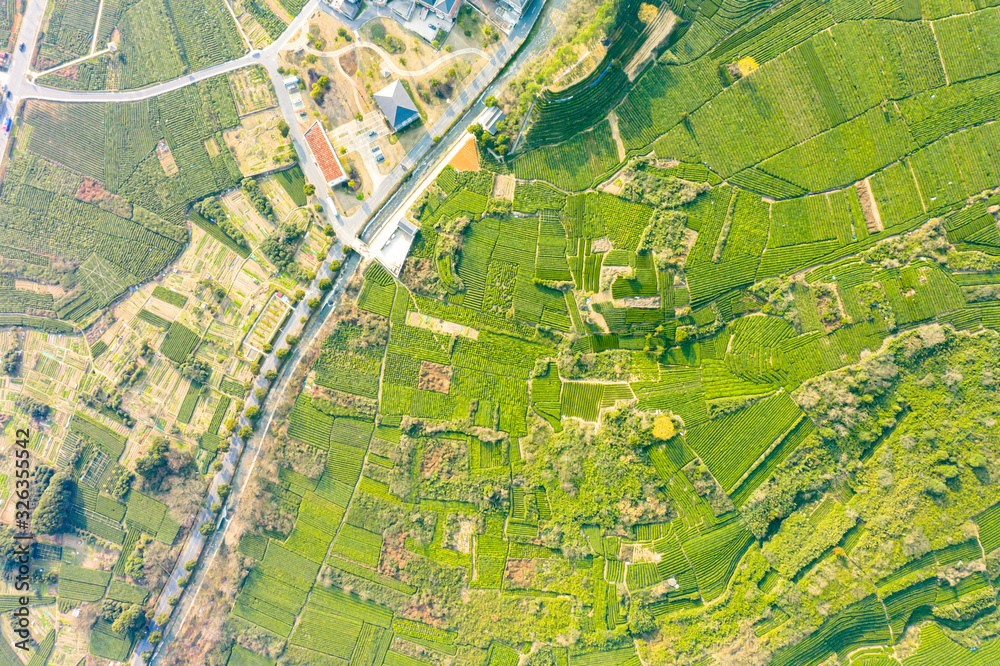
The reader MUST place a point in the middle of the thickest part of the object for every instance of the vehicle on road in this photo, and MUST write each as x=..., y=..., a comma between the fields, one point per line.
x=21, y=47
x=6, y=125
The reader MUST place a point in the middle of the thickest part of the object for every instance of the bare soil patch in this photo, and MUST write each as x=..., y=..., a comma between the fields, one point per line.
x=92, y=191
x=503, y=188
x=434, y=377
x=349, y=63
x=868, y=206
x=467, y=159
x=166, y=158
x=211, y=147
x=655, y=33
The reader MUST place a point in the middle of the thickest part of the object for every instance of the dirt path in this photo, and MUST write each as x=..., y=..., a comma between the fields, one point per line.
x=616, y=135
x=97, y=26
x=656, y=32
x=869, y=207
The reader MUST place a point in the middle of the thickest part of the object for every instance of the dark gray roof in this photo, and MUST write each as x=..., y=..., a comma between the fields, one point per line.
x=396, y=104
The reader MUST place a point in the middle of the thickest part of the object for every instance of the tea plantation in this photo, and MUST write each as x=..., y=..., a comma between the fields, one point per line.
x=715, y=385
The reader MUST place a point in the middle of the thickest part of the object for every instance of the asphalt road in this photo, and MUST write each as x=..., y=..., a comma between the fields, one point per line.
x=240, y=461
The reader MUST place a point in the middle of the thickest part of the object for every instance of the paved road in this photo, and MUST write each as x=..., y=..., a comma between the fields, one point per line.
x=239, y=464
x=426, y=155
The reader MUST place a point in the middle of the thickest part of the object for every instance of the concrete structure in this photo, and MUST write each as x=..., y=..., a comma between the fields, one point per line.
x=446, y=10
x=345, y=7
x=324, y=155
x=397, y=106
x=298, y=105
x=392, y=253
x=492, y=116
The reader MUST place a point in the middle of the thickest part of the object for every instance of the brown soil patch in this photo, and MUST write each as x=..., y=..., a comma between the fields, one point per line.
x=440, y=326
x=70, y=73
x=647, y=302
x=868, y=206
x=434, y=377
x=467, y=159
x=600, y=245
x=654, y=34
x=91, y=191
x=519, y=572
x=27, y=285
x=616, y=135
x=166, y=158
x=212, y=147
x=503, y=188
x=349, y=63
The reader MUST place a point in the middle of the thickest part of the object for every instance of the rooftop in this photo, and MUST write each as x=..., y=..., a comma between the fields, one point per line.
x=326, y=158
x=396, y=104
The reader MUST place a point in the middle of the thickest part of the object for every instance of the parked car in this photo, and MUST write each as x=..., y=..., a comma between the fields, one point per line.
x=21, y=47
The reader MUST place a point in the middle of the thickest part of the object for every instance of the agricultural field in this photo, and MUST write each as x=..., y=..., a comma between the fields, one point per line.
x=695, y=366
x=128, y=347
x=708, y=380
x=157, y=40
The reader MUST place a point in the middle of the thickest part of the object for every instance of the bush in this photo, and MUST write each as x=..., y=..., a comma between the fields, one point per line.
x=292, y=340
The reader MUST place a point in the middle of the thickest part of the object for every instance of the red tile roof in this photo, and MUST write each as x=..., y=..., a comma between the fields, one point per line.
x=322, y=151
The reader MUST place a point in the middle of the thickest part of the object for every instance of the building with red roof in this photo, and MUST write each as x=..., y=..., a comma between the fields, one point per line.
x=323, y=153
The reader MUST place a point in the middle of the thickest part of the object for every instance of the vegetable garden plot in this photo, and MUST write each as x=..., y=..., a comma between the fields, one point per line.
x=179, y=342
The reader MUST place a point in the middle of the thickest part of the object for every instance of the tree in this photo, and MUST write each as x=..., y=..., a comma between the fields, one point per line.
x=54, y=506
x=283, y=128
x=196, y=370
x=491, y=100
x=313, y=303
x=131, y=620
x=283, y=353
x=309, y=189
x=252, y=412
x=223, y=491
x=271, y=375
x=153, y=465
x=11, y=361
x=155, y=637
x=162, y=618
x=206, y=528
x=120, y=487
x=292, y=340
x=245, y=432
x=299, y=295
x=324, y=284
x=647, y=13
x=663, y=427
x=329, y=230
